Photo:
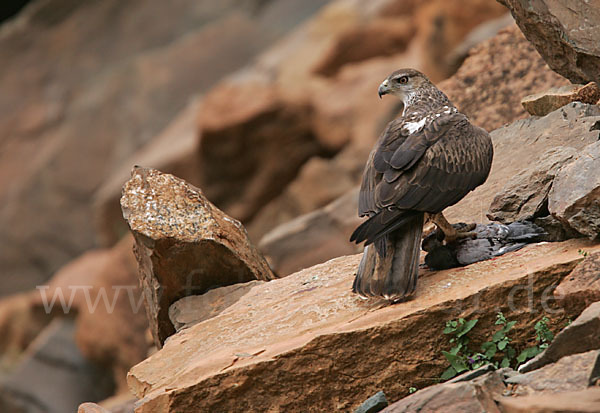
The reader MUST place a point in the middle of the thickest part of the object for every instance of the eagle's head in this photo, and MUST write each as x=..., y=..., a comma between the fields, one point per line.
x=404, y=83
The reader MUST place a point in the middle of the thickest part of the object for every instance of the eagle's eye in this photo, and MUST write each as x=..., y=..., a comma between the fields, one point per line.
x=402, y=79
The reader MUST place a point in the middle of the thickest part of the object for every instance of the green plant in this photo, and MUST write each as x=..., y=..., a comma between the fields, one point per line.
x=543, y=336
x=498, y=351
x=500, y=343
x=411, y=390
x=582, y=252
x=458, y=355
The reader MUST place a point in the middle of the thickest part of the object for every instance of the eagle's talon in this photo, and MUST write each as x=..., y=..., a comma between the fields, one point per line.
x=458, y=235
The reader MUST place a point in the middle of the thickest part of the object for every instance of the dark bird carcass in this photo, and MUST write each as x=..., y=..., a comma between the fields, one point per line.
x=492, y=240
x=425, y=160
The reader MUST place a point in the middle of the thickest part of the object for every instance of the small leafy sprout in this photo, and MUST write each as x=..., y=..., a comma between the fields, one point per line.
x=543, y=336
x=582, y=252
x=458, y=355
x=498, y=351
x=411, y=390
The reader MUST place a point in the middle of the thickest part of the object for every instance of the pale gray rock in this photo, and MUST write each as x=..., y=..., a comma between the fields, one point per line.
x=575, y=195
x=525, y=195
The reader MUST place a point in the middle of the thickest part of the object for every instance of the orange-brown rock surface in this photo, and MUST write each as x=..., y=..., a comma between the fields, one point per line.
x=286, y=339
x=100, y=290
x=253, y=142
x=489, y=85
x=184, y=245
x=585, y=279
x=542, y=103
x=84, y=86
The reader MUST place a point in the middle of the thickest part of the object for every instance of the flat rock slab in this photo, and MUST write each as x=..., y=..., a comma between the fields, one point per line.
x=540, y=104
x=193, y=309
x=306, y=342
x=184, y=244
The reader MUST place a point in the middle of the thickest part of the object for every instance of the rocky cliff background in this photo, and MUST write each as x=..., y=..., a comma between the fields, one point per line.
x=270, y=108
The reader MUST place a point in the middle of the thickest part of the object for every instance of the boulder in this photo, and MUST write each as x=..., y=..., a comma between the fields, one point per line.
x=314, y=237
x=575, y=195
x=565, y=33
x=540, y=104
x=307, y=342
x=184, y=245
x=581, y=336
x=442, y=26
x=378, y=37
x=518, y=145
x=585, y=278
x=319, y=182
x=483, y=32
x=489, y=85
x=174, y=150
x=525, y=195
x=253, y=143
x=54, y=377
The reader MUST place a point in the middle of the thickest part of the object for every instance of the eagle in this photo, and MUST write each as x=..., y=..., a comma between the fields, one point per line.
x=426, y=160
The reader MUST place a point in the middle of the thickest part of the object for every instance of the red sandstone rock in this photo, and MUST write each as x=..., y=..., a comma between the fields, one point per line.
x=286, y=339
x=184, y=244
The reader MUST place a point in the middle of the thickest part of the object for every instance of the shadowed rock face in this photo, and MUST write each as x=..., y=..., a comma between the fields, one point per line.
x=565, y=33
x=74, y=379
x=287, y=338
x=184, y=244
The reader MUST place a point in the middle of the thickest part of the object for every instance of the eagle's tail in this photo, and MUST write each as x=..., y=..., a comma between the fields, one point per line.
x=390, y=266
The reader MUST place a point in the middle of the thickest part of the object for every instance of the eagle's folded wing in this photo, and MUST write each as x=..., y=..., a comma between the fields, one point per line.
x=425, y=171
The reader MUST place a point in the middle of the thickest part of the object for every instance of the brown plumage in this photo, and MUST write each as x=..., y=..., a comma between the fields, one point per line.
x=426, y=160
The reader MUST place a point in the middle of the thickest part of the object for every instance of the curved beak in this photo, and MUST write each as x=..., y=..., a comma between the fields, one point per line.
x=384, y=88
